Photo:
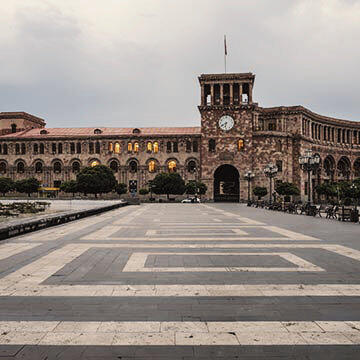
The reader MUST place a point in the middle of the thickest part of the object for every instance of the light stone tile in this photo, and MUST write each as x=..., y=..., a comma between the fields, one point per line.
x=354, y=337
x=185, y=326
x=21, y=338
x=164, y=338
x=77, y=326
x=130, y=327
x=246, y=326
x=269, y=338
x=337, y=326
x=196, y=338
x=70, y=338
x=302, y=326
x=328, y=338
x=27, y=326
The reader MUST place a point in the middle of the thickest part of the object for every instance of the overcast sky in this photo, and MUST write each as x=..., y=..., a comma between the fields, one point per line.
x=126, y=63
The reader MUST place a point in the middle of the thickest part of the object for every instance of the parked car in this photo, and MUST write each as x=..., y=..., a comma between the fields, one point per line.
x=193, y=200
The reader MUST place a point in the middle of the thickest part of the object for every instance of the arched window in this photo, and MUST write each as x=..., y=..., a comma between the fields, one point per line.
x=133, y=166
x=20, y=167
x=188, y=145
x=60, y=148
x=114, y=166
x=42, y=148
x=136, y=147
x=78, y=148
x=172, y=166
x=152, y=166
x=3, y=168
x=191, y=167
x=97, y=147
x=149, y=146
x=117, y=148
x=91, y=147
x=357, y=168
x=75, y=167
x=168, y=146
x=57, y=167
x=36, y=148
x=212, y=145
x=156, y=147
x=38, y=167
x=111, y=147
x=13, y=128
x=240, y=144
x=94, y=163
x=195, y=146
x=17, y=149
x=5, y=149
x=129, y=147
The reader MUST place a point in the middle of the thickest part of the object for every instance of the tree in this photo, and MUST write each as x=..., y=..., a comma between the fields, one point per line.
x=6, y=185
x=69, y=187
x=326, y=189
x=121, y=189
x=95, y=180
x=260, y=191
x=287, y=189
x=27, y=186
x=143, y=191
x=194, y=187
x=169, y=184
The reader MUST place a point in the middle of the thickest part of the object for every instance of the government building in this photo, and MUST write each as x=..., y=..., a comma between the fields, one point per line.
x=235, y=135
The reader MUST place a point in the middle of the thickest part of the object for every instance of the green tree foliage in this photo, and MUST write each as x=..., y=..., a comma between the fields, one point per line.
x=260, y=191
x=6, y=185
x=326, y=189
x=169, y=184
x=121, y=189
x=96, y=180
x=69, y=187
x=194, y=187
x=143, y=191
x=287, y=189
x=27, y=186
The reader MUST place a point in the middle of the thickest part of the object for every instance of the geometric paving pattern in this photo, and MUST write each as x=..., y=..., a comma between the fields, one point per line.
x=182, y=281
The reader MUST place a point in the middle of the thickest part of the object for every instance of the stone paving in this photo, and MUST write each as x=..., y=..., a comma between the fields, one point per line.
x=183, y=281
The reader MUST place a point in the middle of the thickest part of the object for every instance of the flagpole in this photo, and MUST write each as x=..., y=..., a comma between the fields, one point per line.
x=225, y=52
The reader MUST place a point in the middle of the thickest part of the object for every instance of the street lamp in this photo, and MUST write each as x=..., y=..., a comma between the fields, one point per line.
x=309, y=162
x=270, y=171
x=249, y=175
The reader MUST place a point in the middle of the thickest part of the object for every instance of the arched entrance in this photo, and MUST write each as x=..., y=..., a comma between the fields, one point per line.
x=226, y=184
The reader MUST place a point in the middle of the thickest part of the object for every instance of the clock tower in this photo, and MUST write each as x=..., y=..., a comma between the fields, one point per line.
x=227, y=121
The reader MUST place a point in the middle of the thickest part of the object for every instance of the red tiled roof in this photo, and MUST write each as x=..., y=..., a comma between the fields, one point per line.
x=76, y=132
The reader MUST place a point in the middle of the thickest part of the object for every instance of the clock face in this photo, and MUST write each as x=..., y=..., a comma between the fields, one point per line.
x=226, y=123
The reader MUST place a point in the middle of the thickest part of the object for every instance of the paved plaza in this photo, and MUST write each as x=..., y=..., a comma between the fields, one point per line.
x=183, y=281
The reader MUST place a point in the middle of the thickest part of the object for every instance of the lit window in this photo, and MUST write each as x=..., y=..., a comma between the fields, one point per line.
x=240, y=144
x=149, y=146
x=117, y=148
x=152, y=166
x=172, y=166
x=111, y=147
x=156, y=147
x=129, y=147
x=94, y=163
x=136, y=147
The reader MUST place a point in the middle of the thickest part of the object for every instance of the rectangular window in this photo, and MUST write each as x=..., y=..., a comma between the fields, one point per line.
x=279, y=165
x=53, y=148
x=175, y=147
x=72, y=148
x=91, y=148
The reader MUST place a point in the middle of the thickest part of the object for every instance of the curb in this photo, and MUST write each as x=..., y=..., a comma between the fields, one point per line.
x=8, y=231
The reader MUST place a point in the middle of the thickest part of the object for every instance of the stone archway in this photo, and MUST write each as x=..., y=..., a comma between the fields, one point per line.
x=226, y=184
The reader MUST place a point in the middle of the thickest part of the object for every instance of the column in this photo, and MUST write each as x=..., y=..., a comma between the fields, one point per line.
x=240, y=93
x=250, y=93
x=212, y=94
x=221, y=94
x=203, y=100
x=231, y=94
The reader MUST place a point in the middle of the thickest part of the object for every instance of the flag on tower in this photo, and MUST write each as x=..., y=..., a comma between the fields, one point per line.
x=225, y=47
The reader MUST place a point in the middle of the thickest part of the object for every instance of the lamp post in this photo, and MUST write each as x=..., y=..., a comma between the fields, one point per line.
x=270, y=171
x=308, y=163
x=249, y=175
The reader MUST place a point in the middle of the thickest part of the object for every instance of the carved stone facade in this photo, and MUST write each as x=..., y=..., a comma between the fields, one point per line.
x=236, y=135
